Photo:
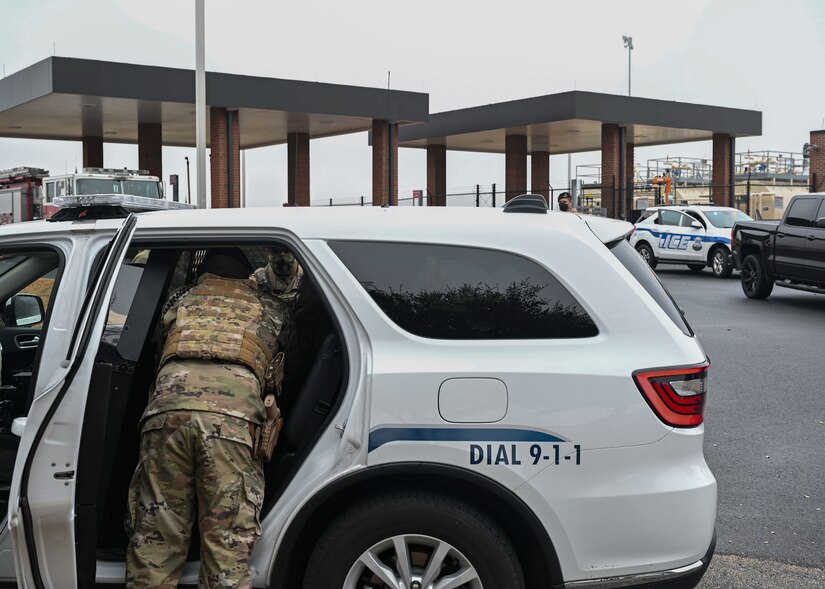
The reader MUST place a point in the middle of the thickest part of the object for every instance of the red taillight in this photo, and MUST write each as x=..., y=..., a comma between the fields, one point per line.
x=676, y=395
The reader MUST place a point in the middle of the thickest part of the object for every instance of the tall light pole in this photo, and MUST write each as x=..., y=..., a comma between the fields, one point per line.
x=200, y=102
x=628, y=43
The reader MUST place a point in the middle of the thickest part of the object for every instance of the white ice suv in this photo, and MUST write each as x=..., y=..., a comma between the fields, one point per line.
x=484, y=398
x=698, y=236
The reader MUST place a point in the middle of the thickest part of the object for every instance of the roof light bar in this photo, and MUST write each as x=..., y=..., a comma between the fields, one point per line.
x=116, y=171
x=127, y=201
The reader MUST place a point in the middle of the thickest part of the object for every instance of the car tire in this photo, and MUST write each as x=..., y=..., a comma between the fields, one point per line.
x=647, y=255
x=756, y=284
x=696, y=267
x=420, y=527
x=720, y=264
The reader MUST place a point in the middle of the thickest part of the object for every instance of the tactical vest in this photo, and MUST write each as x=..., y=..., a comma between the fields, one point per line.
x=223, y=320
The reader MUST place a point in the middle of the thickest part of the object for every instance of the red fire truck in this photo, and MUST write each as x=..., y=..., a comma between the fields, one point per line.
x=21, y=194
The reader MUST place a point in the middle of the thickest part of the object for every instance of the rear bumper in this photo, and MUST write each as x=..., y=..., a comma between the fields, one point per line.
x=686, y=577
x=630, y=516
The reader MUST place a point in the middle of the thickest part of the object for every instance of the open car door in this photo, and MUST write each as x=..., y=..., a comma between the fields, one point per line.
x=42, y=498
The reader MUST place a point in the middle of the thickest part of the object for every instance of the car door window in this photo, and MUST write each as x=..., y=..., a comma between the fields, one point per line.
x=819, y=220
x=28, y=280
x=685, y=220
x=449, y=292
x=801, y=213
x=697, y=217
x=671, y=218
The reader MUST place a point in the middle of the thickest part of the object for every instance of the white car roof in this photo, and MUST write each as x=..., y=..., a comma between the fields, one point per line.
x=691, y=207
x=417, y=224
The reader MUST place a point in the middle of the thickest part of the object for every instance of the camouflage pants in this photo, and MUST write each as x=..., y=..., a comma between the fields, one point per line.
x=193, y=462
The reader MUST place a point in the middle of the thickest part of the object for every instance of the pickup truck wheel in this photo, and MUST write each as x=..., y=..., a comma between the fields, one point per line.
x=755, y=281
x=647, y=255
x=696, y=267
x=720, y=263
x=413, y=539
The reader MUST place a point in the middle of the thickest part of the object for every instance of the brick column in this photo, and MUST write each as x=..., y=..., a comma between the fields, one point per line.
x=395, y=163
x=381, y=162
x=720, y=190
x=150, y=148
x=540, y=173
x=298, y=169
x=92, y=151
x=220, y=158
x=611, y=148
x=629, y=174
x=437, y=175
x=817, y=162
x=515, y=165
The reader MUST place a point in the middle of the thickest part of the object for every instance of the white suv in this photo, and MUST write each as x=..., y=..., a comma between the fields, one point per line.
x=478, y=398
x=698, y=236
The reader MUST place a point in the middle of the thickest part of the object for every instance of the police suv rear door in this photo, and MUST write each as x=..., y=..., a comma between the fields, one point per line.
x=41, y=507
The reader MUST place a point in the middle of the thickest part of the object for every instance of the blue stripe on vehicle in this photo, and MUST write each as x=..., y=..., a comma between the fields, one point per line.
x=385, y=435
x=707, y=238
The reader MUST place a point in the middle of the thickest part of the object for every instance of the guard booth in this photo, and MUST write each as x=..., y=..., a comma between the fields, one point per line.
x=21, y=194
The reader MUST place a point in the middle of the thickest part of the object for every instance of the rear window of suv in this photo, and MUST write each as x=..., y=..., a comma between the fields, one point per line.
x=452, y=292
x=631, y=260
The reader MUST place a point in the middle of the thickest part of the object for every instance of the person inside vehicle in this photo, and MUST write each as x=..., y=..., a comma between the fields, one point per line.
x=198, y=432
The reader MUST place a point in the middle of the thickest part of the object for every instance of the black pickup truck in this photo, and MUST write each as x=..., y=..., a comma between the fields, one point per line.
x=789, y=253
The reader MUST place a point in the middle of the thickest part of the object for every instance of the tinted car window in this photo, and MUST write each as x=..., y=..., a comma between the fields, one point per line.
x=450, y=292
x=821, y=213
x=671, y=218
x=631, y=260
x=801, y=213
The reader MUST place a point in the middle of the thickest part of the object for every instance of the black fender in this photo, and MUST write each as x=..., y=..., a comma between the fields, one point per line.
x=530, y=539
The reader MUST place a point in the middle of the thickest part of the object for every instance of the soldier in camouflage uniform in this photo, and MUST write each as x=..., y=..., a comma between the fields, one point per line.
x=281, y=276
x=221, y=338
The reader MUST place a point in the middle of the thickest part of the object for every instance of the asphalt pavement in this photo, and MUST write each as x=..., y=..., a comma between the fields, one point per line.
x=765, y=428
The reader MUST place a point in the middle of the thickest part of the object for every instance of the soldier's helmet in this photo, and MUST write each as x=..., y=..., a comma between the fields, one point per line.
x=226, y=262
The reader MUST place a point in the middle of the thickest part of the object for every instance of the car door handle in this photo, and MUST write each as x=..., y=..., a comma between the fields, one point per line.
x=27, y=341
x=780, y=235
x=811, y=237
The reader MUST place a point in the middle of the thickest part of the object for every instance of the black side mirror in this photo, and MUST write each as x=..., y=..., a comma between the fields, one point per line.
x=820, y=223
x=23, y=310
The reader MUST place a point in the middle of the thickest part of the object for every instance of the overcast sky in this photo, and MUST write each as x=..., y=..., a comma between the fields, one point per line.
x=753, y=54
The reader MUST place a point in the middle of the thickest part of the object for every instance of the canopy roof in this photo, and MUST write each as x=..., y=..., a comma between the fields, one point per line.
x=572, y=122
x=66, y=98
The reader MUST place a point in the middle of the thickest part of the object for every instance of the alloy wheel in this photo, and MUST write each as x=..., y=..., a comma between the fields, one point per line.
x=718, y=262
x=749, y=276
x=412, y=562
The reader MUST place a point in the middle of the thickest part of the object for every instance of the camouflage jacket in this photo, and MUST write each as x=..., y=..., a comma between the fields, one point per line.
x=218, y=339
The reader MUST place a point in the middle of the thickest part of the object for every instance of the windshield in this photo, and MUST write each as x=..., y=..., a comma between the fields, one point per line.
x=726, y=219
x=141, y=188
x=148, y=188
x=97, y=186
